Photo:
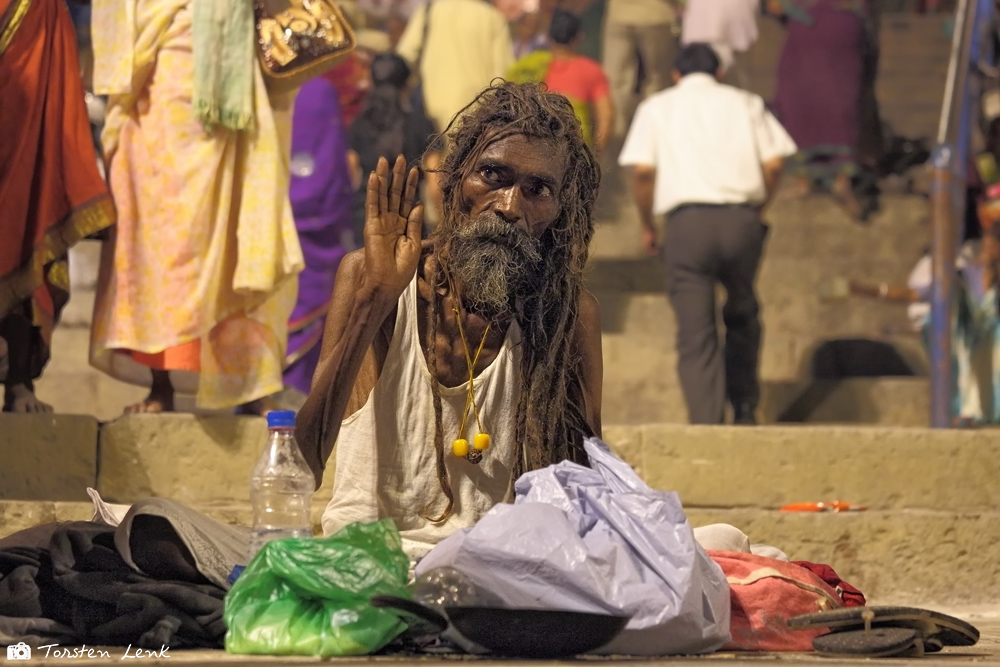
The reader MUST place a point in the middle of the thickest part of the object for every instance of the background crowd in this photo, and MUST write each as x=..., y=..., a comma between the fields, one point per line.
x=220, y=252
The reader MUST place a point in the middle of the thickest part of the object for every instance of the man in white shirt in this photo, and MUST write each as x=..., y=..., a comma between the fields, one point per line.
x=709, y=156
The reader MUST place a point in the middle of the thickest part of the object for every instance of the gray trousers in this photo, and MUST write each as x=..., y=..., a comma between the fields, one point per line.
x=706, y=245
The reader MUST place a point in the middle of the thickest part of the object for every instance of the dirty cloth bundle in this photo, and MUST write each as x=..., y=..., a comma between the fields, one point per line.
x=77, y=582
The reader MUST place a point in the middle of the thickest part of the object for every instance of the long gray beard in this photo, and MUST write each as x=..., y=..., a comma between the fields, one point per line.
x=494, y=262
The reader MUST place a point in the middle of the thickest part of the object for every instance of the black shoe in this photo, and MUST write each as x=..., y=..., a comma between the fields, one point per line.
x=743, y=415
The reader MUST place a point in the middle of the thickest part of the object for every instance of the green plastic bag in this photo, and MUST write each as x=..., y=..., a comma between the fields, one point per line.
x=310, y=596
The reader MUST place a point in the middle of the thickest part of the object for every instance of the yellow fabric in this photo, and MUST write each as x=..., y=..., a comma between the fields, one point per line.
x=468, y=46
x=640, y=12
x=206, y=247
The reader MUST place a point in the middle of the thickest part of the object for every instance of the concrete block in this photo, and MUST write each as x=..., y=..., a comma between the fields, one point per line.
x=882, y=401
x=47, y=457
x=769, y=467
x=919, y=558
x=195, y=460
x=17, y=515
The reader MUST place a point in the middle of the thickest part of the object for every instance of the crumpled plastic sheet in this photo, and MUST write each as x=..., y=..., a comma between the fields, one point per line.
x=598, y=540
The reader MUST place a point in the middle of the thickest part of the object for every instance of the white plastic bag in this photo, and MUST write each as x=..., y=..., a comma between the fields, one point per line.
x=598, y=540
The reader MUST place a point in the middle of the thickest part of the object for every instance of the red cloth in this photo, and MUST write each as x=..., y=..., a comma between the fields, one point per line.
x=352, y=79
x=578, y=78
x=51, y=191
x=851, y=596
x=765, y=593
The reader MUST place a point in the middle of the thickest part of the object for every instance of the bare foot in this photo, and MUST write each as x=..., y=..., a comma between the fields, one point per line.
x=844, y=193
x=152, y=404
x=20, y=398
x=801, y=187
x=160, y=399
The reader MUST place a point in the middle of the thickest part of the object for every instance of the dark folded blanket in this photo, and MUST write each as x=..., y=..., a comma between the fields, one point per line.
x=68, y=583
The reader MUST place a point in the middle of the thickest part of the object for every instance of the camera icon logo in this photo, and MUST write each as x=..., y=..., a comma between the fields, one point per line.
x=19, y=651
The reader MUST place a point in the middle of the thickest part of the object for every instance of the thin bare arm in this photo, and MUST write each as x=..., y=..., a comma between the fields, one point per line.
x=368, y=285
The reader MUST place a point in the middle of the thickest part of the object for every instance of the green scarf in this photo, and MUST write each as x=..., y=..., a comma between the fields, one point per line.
x=224, y=59
x=532, y=68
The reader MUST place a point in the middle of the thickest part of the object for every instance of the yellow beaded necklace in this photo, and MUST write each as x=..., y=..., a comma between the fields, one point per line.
x=460, y=446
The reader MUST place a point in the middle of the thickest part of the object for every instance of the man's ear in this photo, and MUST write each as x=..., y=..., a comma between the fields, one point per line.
x=675, y=75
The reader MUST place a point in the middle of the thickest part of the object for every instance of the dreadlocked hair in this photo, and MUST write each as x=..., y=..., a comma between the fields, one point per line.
x=551, y=418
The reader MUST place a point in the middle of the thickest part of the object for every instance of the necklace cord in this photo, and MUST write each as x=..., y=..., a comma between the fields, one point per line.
x=471, y=362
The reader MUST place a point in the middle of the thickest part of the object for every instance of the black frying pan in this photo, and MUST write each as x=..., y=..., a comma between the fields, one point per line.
x=518, y=633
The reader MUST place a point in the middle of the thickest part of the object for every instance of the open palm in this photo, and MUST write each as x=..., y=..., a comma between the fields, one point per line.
x=393, y=223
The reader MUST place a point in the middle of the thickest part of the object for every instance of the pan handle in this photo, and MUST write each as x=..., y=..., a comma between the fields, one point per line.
x=410, y=607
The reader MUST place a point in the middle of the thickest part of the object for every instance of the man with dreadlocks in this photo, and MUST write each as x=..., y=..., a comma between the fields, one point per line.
x=451, y=366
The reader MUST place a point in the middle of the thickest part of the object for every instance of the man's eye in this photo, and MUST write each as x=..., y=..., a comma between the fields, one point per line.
x=542, y=190
x=489, y=173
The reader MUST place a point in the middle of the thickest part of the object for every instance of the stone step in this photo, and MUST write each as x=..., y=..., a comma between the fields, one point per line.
x=895, y=557
x=207, y=461
x=883, y=401
x=771, y=466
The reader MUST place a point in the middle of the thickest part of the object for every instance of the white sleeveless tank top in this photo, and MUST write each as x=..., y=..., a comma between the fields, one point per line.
x=385, y=461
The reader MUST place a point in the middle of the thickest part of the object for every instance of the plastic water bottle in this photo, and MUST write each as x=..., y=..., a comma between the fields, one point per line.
x=281, y=486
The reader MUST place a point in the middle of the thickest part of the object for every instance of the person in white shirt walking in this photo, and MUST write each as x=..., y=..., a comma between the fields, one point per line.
x=710, y=157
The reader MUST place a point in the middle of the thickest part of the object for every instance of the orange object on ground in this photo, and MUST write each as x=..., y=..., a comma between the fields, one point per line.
x=832, y=506
x=53, y=195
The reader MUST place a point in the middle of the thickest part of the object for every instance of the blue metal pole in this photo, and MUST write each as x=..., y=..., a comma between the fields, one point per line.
x=943, y=263
x=948, y=202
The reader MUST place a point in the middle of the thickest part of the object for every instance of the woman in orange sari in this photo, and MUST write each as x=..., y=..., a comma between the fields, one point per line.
x=52, y=192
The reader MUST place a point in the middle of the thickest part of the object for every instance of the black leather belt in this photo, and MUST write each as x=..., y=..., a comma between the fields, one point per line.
x=677, y=209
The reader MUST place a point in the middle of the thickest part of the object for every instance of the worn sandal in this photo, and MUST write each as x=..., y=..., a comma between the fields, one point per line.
x=874, y=643
x=861, y=631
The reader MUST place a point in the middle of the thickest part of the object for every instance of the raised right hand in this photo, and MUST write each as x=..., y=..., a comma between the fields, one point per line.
x=392, y=228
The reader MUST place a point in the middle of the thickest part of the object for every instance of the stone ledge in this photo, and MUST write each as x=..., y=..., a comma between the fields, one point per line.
x=192, y=459
x=47, y=457
x=201, y=460
x=768, y=467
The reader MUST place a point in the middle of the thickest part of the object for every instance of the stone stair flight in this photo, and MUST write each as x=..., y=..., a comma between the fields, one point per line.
x=928, y=534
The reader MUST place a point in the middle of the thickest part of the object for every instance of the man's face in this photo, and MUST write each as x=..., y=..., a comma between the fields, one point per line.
x=511, y=197
x=519, y=180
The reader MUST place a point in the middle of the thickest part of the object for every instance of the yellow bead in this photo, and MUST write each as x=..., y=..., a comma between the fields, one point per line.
x=481, y=441
x=460, y=447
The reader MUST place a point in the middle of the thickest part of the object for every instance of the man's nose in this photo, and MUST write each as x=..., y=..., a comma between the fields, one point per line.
x=509, y=205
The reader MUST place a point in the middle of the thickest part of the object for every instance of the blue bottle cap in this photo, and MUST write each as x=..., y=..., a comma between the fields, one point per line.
x=235, y=574
x=281, y=419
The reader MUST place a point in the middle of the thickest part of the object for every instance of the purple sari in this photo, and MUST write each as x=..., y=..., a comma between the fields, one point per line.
x=820, y=75
x=321, y=197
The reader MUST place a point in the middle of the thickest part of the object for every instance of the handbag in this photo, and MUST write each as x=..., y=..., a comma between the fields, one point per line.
x=298, y=40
